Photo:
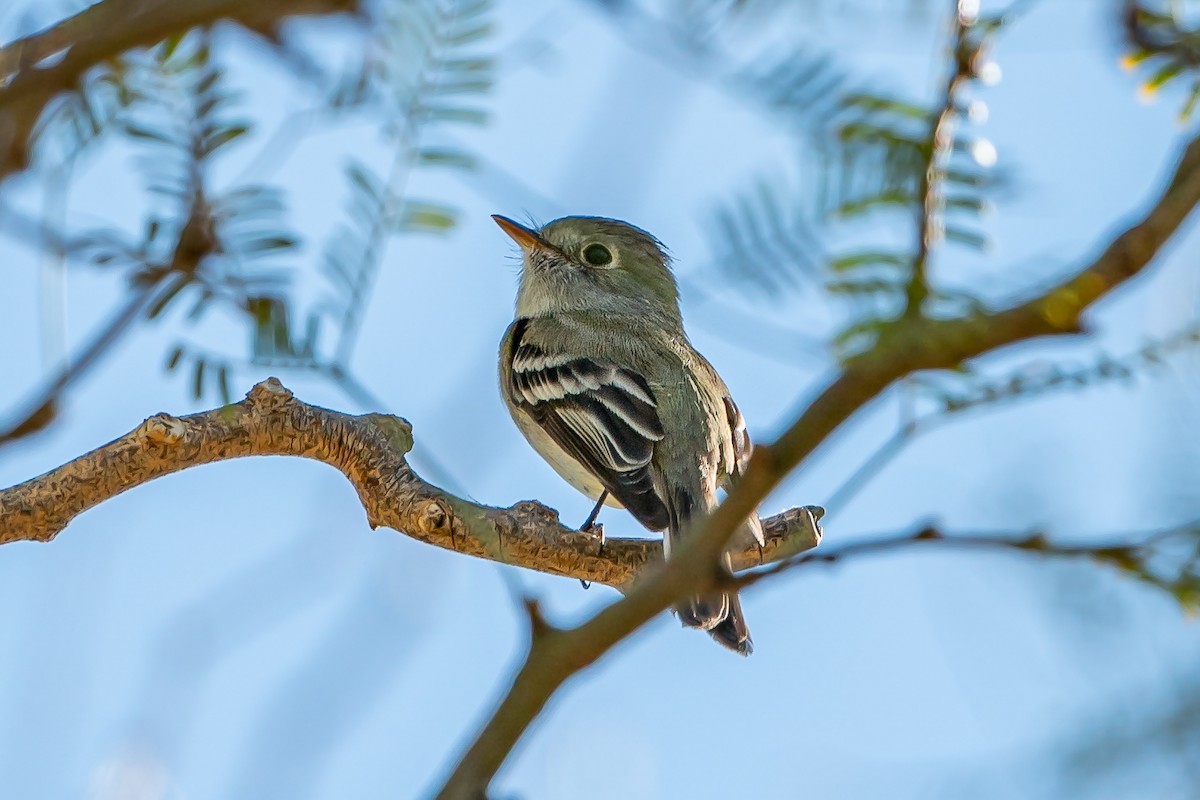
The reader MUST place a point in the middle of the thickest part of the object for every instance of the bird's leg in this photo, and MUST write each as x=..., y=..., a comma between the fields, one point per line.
x=589, y=522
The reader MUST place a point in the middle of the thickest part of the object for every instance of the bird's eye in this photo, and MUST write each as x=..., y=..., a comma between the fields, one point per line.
x=597, y=255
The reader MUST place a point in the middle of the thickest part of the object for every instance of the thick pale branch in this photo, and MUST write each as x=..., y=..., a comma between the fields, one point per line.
x=370, y=451
x=913, y=344
x=104, y=31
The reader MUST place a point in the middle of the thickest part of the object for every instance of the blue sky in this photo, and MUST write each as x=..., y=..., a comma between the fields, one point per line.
x=237, y=631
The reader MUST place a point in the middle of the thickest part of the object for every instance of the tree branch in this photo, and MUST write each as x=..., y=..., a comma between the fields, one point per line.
x=909, y=345
x=104, y=31
x=1131, y=555
x=938, y=147
x=370, y=451
x=1028, y=382
x=42, y=409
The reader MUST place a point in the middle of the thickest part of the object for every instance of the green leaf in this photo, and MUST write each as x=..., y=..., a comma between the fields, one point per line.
x=174, y=358
x=968, y=238
x=1189, y=105
x=223, y=137
x=464, y=86
x=469, y=33
x=139, y=131
x=955, y=176
x=268, y=244
x=223, y=384
x=851, y=208
x=975, y=204
x=469, y=65
x=868, y=258
x=198, y=379
x=423, y=216
x=440, y=113
x=879, y=103
x=433, y=156
x=178, y=283
x=1165, y=73
x=208, y=81
x=864, y=287
x=362, y=178
x=171, y=44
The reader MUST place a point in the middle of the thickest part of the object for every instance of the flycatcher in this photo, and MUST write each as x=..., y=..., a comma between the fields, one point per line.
x=600, y=377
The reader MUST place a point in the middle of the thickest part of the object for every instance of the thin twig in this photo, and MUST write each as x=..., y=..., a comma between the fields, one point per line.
x=40, y=410
x=938, y=147
x=875, y=463
x=1022, y=383
x=1127, y=553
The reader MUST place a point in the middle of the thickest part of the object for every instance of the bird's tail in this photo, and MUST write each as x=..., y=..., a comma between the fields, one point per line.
x=719, y=613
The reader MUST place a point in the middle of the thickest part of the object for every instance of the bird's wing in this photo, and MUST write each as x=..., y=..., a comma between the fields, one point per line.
x=604, y=416
x=742, y=448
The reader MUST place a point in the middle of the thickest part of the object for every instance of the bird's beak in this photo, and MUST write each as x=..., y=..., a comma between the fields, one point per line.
x=526, y=238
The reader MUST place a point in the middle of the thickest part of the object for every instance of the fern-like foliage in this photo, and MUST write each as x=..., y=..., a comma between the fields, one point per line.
x=881, y=163
x=206, y=245
x=1164, y=50
x=423, y=71
x=203, y=246
x=803, y=86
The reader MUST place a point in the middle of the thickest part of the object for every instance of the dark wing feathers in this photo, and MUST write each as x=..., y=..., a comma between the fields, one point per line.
x=742, y=448
x=604, y=416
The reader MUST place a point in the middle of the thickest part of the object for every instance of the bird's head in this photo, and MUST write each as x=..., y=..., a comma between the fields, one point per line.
x=592, y=264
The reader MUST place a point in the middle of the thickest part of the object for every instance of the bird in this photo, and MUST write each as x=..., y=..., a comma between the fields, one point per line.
x=601, y=379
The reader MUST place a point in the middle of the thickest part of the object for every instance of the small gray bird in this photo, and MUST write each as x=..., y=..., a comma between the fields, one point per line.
x=599, y=375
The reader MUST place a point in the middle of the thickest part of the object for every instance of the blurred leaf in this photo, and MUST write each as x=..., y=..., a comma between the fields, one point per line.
x=418, y=215
x=864, y=287
x=869, y=258
x=968, y=238
x=198, y=379
x=444, y=157
x=223, y=384
x=177, y=283
x=223, y=136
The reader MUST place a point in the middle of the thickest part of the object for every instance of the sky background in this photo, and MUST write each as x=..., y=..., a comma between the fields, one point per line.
x=237, y=631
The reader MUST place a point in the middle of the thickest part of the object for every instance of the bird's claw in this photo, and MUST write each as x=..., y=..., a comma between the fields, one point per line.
x=595, y=529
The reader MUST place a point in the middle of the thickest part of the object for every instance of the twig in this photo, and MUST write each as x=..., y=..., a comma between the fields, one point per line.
x=1128, y=554
x=1022, y=383
x=38, y=412
x=882, y=456
x=939, y=147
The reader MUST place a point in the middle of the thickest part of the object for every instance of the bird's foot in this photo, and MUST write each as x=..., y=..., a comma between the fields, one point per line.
x=593, y=529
